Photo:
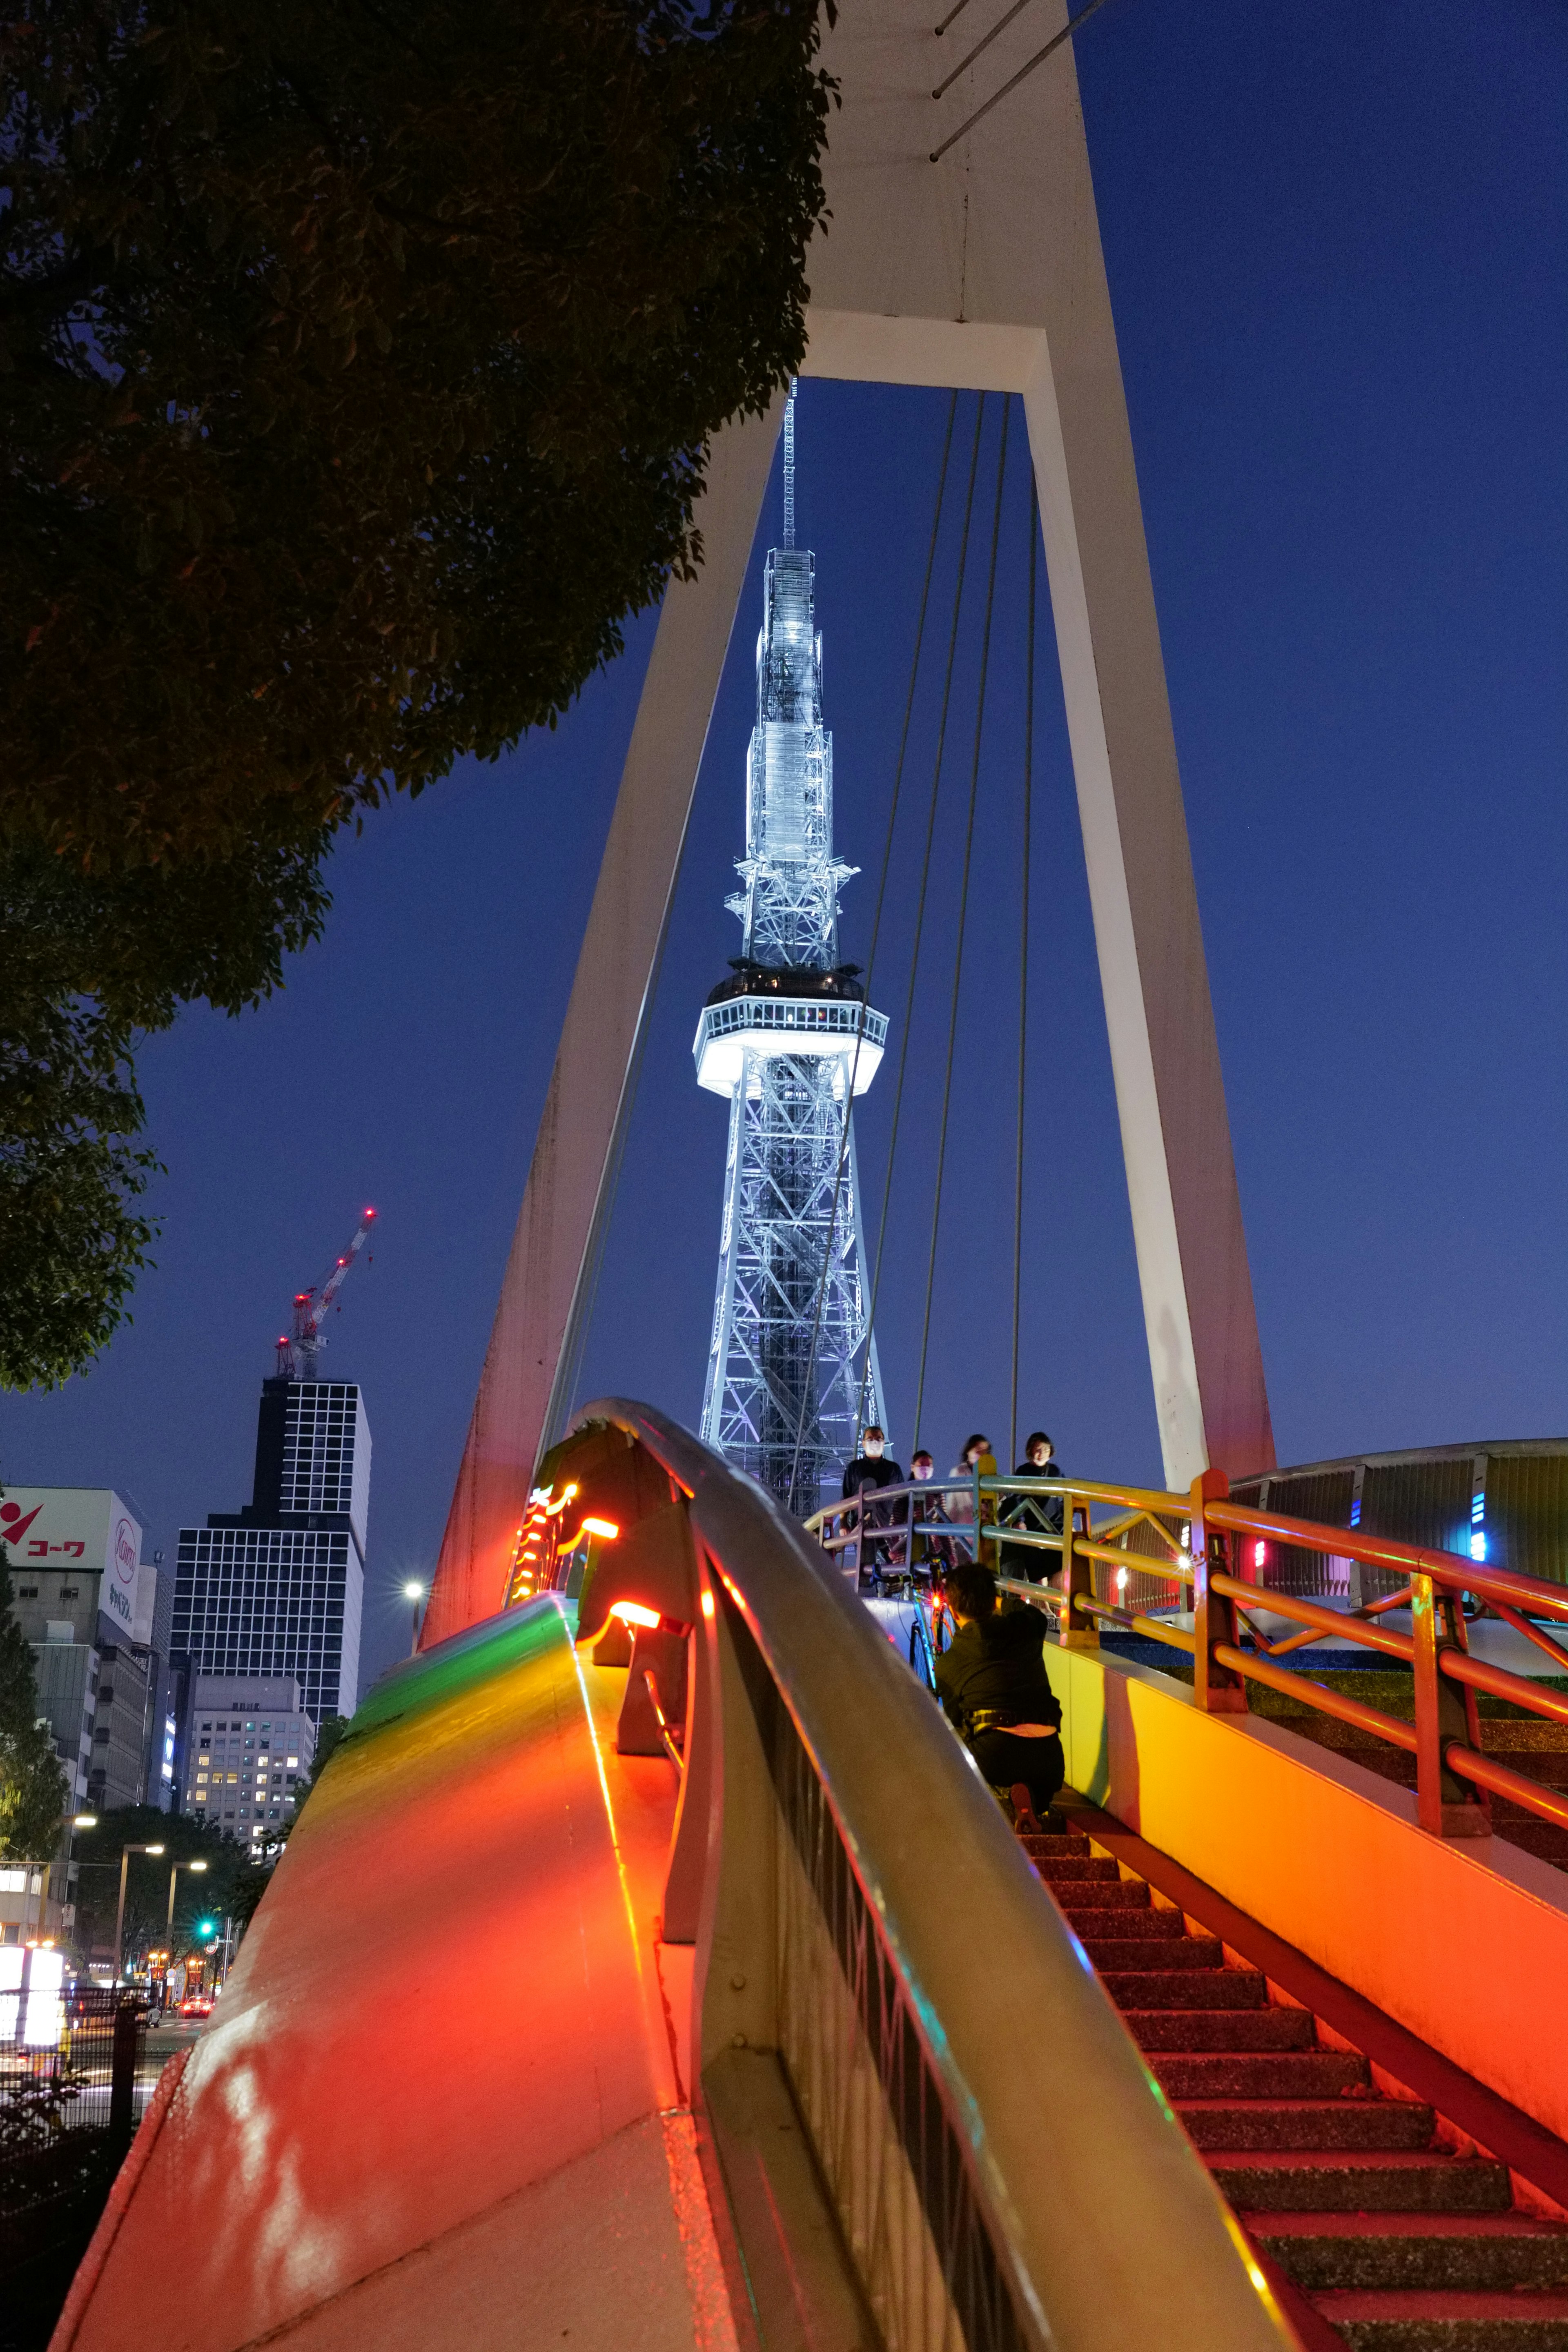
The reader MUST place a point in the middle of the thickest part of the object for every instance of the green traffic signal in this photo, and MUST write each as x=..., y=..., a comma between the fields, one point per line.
x=207, y=1927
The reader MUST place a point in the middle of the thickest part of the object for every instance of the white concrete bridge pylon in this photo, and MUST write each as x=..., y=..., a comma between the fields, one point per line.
x=981, y=271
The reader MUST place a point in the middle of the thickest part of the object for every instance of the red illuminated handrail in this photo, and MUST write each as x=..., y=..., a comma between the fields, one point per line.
x=1444, y=1736
x=1307, y=1612
x=1503, y=1586
x=1488, y=1774
x=1329, y=1702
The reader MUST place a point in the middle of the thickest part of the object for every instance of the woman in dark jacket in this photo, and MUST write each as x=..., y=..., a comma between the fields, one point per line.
x=994, y=1689
x=1042, y=1513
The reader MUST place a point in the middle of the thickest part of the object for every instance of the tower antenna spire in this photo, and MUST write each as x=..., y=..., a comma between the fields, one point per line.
x=788, y=1039
x=789, y=463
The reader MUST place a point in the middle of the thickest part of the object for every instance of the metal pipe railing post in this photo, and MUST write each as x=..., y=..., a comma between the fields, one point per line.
x=1218, y=1688
x=1443, y=1802
x=1078, y=1631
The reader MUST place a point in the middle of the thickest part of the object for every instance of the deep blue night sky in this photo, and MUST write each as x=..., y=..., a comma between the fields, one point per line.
x=1338, y=248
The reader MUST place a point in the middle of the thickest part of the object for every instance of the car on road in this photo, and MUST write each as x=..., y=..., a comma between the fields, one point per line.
x=199, y=2004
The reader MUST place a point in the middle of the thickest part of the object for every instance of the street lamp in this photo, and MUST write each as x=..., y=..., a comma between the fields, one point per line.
x=414, y=1591
x=168, y=1927
x=125, y=1854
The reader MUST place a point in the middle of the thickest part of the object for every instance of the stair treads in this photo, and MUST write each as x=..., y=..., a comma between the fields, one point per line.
x=1373, y=2233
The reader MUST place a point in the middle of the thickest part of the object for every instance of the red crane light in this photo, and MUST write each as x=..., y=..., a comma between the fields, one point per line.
x=297, y=1354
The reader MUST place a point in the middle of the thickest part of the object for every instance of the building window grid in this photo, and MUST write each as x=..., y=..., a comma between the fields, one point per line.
x=319, y=1448
x=222, y=1574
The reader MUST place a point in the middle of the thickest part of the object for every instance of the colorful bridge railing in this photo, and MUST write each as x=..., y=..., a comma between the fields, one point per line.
x=1199, y=1547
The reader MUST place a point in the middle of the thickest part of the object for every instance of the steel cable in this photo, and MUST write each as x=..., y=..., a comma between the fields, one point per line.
x=962, y=905
x=921, y=900
x=1024, y=945
x=870, y=967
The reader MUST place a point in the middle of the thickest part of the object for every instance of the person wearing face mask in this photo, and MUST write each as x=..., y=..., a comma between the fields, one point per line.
x=995, y=1692
x=928, y=1551
x=873, y=1468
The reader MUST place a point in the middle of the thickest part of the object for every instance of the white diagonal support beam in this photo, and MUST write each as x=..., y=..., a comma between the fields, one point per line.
x=589, y=1086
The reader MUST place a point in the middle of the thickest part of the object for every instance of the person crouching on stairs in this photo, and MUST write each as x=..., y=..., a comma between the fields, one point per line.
x=995, y=1692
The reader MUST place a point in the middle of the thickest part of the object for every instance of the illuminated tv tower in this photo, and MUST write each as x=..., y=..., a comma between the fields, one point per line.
x=790, y=1039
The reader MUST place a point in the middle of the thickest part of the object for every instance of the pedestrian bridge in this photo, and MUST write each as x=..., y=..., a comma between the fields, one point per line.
x=690, y=1990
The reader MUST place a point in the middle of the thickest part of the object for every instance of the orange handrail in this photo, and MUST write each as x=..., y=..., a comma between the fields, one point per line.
x=1503, y=1585
x=1446, y=1677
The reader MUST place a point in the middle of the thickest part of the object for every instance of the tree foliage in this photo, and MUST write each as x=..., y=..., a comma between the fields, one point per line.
x=33, y=1794
x=359, y=361
x=87, y=961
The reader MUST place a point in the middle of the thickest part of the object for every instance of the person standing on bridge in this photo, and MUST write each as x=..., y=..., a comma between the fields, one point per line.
x=1040, y=1513
x=873, y=1468
x=995, y=1692
x=927, y=1551
x=977, y=1455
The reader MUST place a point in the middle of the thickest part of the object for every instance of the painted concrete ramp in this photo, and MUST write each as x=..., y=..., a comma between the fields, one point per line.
x=441, y=2101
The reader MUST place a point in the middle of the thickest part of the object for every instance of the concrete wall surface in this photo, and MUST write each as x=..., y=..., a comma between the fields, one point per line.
x=1464, y=1940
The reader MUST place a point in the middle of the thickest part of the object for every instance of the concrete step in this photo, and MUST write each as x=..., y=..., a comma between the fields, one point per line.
x=1291, y=2180
x=1221, y=2029
x=1490, y=2252
x=1349, y=2123
x=1091, y=1895
x=1059, y=1868
x=1168, y=1987
x=1265, y=2075
x=1401, y=2246
x=1154, y=1953
x=1447, y=2319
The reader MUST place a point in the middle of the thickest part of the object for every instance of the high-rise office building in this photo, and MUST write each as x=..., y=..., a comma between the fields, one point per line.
x=277, y=1589
x=251, y=1746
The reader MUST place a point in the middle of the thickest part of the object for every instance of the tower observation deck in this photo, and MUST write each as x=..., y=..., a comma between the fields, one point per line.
x=790, y=1039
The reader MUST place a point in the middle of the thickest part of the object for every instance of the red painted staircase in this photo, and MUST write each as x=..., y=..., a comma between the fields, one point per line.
x=1385, y=2223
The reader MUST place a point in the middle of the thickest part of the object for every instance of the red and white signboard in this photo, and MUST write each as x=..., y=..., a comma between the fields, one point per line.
x=55, y=1527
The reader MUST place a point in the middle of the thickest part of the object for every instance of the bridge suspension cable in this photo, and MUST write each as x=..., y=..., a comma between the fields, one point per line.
x=871, y=963
x=1023, y=955
x=924, y=886
x=963, y=900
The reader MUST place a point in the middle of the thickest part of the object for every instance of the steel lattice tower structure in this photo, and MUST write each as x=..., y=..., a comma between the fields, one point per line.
x=791, y=1369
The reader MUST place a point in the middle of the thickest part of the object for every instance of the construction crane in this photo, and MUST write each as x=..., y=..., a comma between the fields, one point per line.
x=298, y=1351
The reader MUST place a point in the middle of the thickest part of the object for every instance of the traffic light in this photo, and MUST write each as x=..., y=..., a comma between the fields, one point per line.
x=207, y=1928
